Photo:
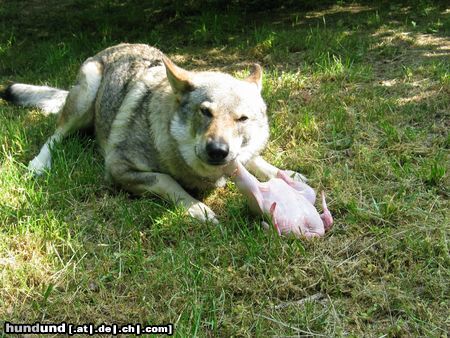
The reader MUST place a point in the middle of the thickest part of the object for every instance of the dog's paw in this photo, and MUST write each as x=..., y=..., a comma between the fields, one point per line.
x=39, y=165
x=203, y=213
x=296, y=176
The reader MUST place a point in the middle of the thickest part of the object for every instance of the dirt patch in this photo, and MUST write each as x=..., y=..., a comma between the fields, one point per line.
x=352, y=9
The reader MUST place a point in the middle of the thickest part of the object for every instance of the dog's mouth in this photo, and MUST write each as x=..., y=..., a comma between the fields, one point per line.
x=217, y=163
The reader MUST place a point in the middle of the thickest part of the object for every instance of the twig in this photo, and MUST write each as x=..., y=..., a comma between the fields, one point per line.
x=311, y=298
x=309, y=333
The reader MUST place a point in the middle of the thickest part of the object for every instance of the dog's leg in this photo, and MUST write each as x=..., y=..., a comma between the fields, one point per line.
x=265, y=171
x=164, y=186
x=77, y=113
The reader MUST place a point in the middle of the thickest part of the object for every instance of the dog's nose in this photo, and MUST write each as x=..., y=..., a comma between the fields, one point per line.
x=217, y=152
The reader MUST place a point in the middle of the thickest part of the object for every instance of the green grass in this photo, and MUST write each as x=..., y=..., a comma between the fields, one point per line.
x=358, y=98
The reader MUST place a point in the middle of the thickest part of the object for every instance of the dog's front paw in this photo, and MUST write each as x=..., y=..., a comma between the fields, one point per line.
x=296, y=176
x=202, y=212
x=39, y=165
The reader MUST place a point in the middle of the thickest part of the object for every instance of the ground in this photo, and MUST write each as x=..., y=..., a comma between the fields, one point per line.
x=358, y=101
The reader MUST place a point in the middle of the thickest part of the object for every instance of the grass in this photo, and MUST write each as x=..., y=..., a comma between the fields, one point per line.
x=358, y=98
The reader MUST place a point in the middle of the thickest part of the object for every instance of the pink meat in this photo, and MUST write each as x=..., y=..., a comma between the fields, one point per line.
x=289, y=203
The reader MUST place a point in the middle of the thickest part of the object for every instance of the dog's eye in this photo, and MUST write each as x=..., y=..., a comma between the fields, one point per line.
x=206, y=112
x=242, y=118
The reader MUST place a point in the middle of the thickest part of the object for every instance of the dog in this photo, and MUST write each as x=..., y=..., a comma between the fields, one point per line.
x=161, y=129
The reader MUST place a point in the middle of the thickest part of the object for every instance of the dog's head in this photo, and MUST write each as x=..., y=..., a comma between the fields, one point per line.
x=219, y=118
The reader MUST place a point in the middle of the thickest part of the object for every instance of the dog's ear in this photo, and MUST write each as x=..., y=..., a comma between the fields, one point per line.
x=179, y=79
x=255, y=76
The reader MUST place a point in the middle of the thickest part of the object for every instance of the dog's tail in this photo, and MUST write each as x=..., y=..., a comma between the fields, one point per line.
x=50, y=100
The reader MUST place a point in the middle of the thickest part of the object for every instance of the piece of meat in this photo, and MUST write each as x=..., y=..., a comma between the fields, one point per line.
x=289, y=203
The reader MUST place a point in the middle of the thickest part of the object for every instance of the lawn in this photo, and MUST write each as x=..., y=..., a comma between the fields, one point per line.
x=358, y=99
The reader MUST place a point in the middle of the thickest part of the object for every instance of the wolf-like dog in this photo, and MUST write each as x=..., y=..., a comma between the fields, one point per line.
x=161, y=128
